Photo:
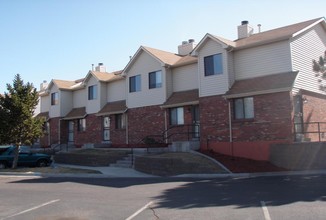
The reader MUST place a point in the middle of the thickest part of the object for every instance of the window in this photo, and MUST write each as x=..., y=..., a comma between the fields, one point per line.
x=82, y=124
x=176, y=116
x=54, y=98
x=213, y=65
x=120, y=121
x=134, y=84
x=92, y=92
x=244, y=108
x=155, y=79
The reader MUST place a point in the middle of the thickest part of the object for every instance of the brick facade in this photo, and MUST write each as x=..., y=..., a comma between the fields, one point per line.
x=314, y=111
x=145, y=121
x=272, y=123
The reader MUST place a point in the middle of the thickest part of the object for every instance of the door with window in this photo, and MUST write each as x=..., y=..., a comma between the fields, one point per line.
x=106, y=128
x=195, y=121
x=298, y=117
x=70, y=131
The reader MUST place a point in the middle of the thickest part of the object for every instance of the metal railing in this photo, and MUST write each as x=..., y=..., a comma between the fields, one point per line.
x=301, y=130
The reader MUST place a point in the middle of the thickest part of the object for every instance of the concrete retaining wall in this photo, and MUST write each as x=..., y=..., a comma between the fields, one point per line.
x=299, y=156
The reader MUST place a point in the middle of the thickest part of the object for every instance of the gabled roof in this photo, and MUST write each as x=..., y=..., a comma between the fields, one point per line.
x=262, y=85
x=103, y=76
x=116, y=107
x=164, y=57
x=265, y=37
x=76, y=113
x=277, y=34
x=189, y=97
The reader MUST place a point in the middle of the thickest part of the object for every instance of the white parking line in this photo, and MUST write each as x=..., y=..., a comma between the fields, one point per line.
x=265, y=210
x=31, y=209
x=139, y=210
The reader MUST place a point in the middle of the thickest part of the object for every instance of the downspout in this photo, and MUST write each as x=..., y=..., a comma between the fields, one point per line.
x=230, y=127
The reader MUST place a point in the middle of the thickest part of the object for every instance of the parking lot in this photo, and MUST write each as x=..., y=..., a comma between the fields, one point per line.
x=267, y=198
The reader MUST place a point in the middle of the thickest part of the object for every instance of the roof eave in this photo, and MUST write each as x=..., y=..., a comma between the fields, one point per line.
x=180, y=104
x=254, y=93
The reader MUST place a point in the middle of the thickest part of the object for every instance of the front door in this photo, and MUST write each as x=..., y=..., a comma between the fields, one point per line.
x=70, y=132
x=106, y=128
x=195, y=121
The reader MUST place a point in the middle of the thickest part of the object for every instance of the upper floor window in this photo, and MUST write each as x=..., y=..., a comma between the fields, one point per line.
x=244, y=108
x=92, y=92
x=155, y=79
x=82, y=124
x=54, y=98
x=213, y=65
x=176, y=116
x=134, y=83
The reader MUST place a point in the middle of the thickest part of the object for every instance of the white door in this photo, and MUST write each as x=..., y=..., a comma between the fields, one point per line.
x=106, y=128
x=70, y=131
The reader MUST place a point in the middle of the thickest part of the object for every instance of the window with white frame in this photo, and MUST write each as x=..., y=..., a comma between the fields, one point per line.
x=244, y=108
x=155, y=79
x=176, y=116
x=54, y=98
x=82, y=124
x=92, y=92
x=213, y=65
x=135, y=83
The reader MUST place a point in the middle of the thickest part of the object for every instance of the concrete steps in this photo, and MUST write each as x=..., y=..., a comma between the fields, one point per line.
x=126, y=162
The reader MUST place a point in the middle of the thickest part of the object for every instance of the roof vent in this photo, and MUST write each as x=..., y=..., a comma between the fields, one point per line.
x=244, y=22
x=191, y=41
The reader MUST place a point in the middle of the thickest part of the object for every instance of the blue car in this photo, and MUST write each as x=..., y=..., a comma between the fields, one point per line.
x=26, y=157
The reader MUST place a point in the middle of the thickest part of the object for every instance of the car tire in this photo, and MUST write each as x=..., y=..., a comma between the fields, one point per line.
x=42, y=163
x=3, y=165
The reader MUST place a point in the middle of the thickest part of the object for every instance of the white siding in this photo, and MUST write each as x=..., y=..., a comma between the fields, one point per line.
x=305, y=48
x=215, y=84
x=102, y=94
x=93, y=106
x=66, y=102
x=262, y=60
x=185, y=78
x=146, y=97
x=231, y=69
x=116, y=90
x=45, y=103
x=79, y=98
x=54, y=110
x=169, y=82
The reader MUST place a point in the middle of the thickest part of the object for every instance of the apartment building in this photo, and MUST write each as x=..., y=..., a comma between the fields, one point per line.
x=235, y=97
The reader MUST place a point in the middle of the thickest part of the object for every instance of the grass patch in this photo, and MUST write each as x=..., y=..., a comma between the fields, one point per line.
x=93, y=151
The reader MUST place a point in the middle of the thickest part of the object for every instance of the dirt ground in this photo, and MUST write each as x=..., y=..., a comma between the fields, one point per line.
x=242, y=165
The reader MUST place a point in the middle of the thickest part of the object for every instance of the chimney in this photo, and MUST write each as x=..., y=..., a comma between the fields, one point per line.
x=100, y=68
x=43, y=85
x=244, y=30
x=186, y=47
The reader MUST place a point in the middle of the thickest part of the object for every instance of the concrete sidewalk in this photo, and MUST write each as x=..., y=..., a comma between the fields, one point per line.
x=111, y=171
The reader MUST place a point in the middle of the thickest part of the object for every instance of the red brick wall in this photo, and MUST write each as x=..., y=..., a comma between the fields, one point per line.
x=118, y=136
x=145, y=121
x=54, y=130
x=272, y=122
x=93, y=133
x=314, y=110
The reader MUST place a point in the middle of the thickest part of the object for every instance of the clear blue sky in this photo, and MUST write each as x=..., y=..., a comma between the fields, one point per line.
x=60, y=39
